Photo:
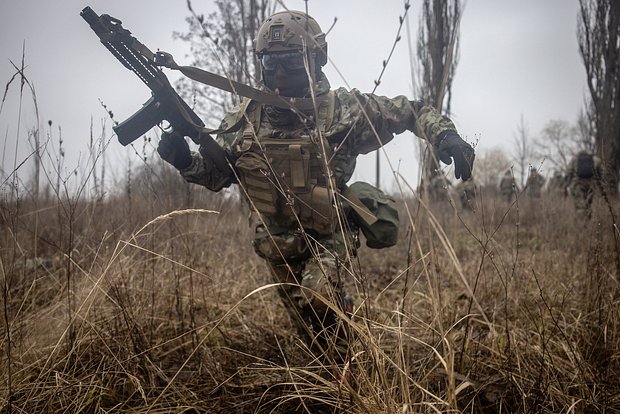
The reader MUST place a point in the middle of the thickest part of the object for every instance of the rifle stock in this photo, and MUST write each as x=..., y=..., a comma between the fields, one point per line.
x=165, y=104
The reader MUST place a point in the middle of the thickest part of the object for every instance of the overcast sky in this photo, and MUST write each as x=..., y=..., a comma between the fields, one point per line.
x=517, y=58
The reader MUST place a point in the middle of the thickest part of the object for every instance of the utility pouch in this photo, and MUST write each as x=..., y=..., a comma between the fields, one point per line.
x=382, y=232
x=255, y=179
x=315, y=209
x=290, y=159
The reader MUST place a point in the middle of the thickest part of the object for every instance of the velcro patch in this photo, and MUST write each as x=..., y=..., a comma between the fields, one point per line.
x=276, y=34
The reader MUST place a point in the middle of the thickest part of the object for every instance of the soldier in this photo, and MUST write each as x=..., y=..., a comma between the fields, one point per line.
x=467, y=194
x=438, y=188
x=293, y=166
x=508, y=187
x=584, y=172
x=535, y=183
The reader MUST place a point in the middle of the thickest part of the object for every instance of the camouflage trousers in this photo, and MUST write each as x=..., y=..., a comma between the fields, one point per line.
x=308, y=272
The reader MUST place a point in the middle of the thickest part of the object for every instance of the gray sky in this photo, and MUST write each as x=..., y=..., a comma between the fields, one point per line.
x=516, y=58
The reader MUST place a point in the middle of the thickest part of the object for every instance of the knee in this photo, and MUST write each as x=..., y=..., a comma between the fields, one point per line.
x=317, y=280
x=279, y=248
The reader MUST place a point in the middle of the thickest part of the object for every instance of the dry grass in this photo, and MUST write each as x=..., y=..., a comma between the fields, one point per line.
x=509, y=309
x=154, y=301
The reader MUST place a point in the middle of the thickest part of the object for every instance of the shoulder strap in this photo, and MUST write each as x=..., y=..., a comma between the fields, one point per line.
x=237, y=120
x=326, y=119
x=326, y=112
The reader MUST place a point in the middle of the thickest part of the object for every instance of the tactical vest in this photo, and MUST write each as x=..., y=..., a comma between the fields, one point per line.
x=284, y=175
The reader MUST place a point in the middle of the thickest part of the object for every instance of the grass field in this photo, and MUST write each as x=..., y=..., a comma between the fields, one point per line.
x=154, y=301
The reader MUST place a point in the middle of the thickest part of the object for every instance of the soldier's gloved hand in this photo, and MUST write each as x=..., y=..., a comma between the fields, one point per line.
x=451, y=146
x=174, y=149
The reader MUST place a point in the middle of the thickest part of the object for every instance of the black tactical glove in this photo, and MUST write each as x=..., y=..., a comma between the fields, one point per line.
x=450, y=145
x=174, y=149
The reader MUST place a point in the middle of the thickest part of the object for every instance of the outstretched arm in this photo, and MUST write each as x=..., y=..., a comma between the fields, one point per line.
x=375, y=120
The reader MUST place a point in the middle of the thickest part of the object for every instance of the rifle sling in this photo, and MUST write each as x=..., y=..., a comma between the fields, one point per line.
x=229, y=85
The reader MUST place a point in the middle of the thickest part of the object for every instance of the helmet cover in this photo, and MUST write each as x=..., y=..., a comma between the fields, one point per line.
x=291, y=30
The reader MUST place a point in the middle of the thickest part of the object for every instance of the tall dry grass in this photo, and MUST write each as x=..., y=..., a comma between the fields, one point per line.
x=151, y=299
x=511, y=308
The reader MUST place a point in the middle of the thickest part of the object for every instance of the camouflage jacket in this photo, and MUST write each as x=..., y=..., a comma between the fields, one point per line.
x=508, y=184
x=535, y=182
x=360, y=123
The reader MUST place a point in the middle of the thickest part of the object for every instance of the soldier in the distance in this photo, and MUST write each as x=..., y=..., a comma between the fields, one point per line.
x=583, y=176
x=467, y=194
x=535, y=183
x=508, y=187
x=439, y=187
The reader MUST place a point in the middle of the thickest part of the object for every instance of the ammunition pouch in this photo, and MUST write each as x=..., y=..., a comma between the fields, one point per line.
x=286, y=182
x=382, y=232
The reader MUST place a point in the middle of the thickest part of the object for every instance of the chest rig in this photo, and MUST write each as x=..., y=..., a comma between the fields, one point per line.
x=282, y=169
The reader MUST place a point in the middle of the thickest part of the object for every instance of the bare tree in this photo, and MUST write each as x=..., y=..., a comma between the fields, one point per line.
x=556, y=143
x=490, y=165
x=523, y=151
x=599, y=45
x=437, y=53
x=559, y=141
x=585, y=132
x=222, y=42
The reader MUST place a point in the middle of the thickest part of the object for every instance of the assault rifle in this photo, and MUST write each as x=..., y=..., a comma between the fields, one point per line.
x=165, y=103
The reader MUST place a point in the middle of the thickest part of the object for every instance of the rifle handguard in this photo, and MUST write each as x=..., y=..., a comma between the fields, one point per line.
x=165, y=104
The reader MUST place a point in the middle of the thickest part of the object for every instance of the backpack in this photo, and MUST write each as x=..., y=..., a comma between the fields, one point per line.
x=585, y=165
x=383, y=232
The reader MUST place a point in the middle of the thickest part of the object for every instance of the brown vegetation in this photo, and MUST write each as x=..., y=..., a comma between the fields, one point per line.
x=157, y=303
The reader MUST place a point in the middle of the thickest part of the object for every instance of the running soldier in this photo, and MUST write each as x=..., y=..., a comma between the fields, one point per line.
x=293, y=166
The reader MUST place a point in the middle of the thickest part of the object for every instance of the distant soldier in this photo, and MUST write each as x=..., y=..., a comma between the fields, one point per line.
x=535, y=183
x=557, y=185
x=438, y=188
x=508, y=186
x=584, y=172
x=467, y=193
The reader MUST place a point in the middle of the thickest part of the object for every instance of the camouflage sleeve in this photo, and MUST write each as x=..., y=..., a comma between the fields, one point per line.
x=202, y=171
x=374, y=120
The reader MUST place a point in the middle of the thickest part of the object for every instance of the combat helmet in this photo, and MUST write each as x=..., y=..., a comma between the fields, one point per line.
x=289, y=31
